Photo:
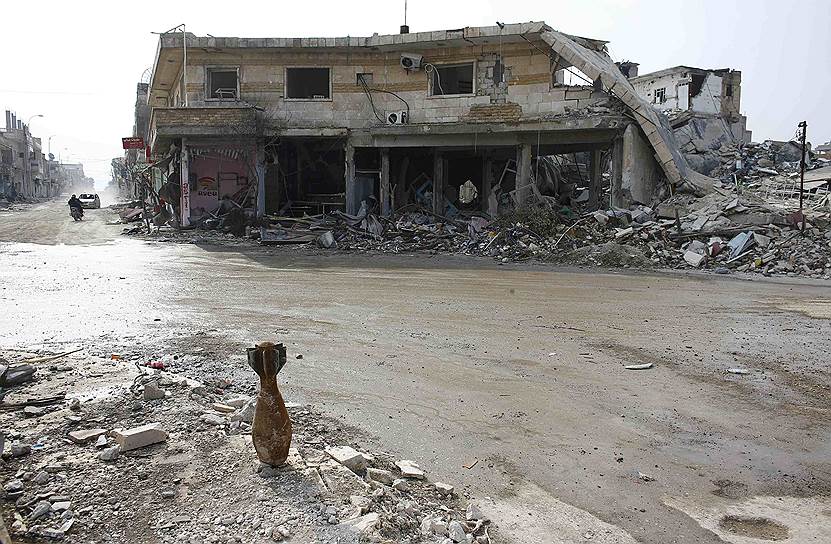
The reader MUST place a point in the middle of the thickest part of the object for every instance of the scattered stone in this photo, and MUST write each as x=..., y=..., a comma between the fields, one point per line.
x=88, y=435
x=75, y=405
x=360, y=502
x=41, y=477
x=456, y=532
x=139, y=437
x=60, y=506
x=152, y=391
x=41, y=509
x=13, y=486
x=101, y=442
x=474, y=513
x=18, y=449
x=444, y=489
x=246, y=414
x=383, y=476
x=224, y=408
x=363, y=525
x=340, y=480
x=212, y=419
x=694, y=259
x=168, y=494
x=400, y=484
x=238, y=402
x=33, y=411
x=110, y=454
x=348, y=457
x=739, y=371
x=645, y=477
x=410, y=470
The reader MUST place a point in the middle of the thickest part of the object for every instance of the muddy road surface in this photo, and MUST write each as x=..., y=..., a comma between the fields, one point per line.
x=508, y=381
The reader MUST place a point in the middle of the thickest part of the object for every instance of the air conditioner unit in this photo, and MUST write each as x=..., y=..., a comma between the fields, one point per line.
x=397, y=117
x=411, y=61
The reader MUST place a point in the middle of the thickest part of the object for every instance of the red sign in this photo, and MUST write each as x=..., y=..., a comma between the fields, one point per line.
x=132, y=143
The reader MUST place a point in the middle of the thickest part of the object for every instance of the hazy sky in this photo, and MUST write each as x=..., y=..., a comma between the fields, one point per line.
x=77, y=63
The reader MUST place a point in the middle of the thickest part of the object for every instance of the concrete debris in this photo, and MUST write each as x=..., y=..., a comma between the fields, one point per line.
x=379, y=475
x=348, y=457
x=456, y=532
x=400, y=484
x=444, y=489
x=644, y=366
x=152, y=391
x=365, y=524
x=85, y=436
x=139, y=437
x=410, y=470
x=212, y=419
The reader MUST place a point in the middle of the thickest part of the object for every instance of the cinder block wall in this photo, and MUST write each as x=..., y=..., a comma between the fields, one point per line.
x=527, y=87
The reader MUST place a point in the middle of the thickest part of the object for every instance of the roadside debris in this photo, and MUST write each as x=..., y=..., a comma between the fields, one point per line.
x=644, y=366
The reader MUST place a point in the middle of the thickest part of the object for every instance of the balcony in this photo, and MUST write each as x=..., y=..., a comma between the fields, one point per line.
x=171, y=123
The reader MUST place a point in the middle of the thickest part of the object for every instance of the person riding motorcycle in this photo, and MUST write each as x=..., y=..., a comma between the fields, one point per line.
x=75, y=203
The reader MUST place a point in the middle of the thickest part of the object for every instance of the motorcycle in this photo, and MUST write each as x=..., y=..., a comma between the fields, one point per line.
x=76, y=213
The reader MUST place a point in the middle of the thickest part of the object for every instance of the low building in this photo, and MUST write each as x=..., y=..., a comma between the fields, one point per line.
x=453, y=119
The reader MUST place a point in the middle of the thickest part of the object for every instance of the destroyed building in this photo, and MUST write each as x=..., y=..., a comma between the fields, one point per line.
x=704, y=108
x=473, y=119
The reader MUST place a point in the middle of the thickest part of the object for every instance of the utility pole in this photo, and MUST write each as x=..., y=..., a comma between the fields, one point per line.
x=804, y=126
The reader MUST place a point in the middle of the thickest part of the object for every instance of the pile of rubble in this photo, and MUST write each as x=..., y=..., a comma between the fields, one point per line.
x=167, y=458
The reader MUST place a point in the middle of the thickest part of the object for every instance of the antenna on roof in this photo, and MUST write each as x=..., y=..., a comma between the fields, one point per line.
x=404, y=28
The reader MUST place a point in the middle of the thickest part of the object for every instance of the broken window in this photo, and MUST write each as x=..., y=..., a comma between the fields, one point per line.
x=308, y=83
x=222, y=83
x=660, y=95
x=729, y=90
x=450, y=80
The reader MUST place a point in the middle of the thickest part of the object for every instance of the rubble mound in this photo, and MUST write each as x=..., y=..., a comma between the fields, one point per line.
x=609, y=254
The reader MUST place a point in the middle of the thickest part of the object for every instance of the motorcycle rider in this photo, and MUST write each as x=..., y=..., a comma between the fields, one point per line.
x=75, y=203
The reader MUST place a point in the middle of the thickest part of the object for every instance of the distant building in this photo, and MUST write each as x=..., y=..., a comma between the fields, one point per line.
x=696, y=91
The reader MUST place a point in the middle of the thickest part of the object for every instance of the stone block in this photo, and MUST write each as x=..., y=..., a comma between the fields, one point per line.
x=139, y=437
x=85, y=436
x=348, y=457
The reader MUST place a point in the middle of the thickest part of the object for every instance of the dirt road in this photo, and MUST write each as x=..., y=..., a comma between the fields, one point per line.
x=508, y=381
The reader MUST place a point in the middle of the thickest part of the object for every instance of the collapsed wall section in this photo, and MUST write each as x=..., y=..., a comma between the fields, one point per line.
x=597, y=64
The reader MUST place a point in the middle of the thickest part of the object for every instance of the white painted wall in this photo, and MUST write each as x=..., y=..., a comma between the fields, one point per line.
x=709, y=99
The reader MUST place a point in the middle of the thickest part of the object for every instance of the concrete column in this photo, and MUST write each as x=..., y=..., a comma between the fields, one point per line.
x=385, y=181
x=640, y=175
x=523, y=175
x=487, y=181
x=438, y=182
x=184, y=181
x=596, y=176
x=260, y=169
x=618, y=199
x=351, y=204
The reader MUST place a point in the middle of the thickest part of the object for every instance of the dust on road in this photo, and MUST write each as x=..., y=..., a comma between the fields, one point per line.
x=516, y=371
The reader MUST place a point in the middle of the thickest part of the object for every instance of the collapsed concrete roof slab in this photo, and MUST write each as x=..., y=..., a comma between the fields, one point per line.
x=598, y=65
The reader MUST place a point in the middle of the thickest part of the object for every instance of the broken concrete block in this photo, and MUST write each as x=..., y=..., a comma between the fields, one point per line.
x=401, y=484
x=60, y=506
x=341, y=481
x=327, y=240
x=761, y=240
x=152, y=391
x=139, y=437
x=383, y=476
x=601, y=218
x=224, y=408
x=623, y=233
x=88, y=435
x=101, y=442
x=693, y=258
x=364, y=524
x=444, y=489
x=33, y=411
x=18, y=449
x=410, y=470
x=348, y=457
